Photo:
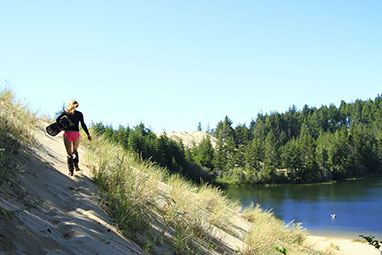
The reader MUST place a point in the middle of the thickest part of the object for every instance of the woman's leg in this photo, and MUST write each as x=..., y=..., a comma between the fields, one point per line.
x=76, y=159
x=76, y=144
x=68, y=147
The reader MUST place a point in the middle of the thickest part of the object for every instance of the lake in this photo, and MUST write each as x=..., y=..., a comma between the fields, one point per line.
x=357, y=205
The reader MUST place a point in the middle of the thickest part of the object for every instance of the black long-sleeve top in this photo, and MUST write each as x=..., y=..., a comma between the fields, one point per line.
x=76, y=118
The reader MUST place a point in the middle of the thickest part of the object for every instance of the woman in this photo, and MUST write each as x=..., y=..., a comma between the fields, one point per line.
x=72, y=134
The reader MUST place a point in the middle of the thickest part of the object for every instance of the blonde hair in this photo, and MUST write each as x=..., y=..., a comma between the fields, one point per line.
x=72, y=107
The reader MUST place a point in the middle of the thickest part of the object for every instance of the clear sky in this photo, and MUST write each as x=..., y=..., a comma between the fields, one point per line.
x=173, y=64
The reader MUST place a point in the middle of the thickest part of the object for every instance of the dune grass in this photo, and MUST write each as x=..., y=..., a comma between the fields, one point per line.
x=143, y=198
x=267, y=232
x=137, y=198
x=16, y=125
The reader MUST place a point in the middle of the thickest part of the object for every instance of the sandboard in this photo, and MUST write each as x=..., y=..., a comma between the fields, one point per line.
x=53, y=129
x=63, y=123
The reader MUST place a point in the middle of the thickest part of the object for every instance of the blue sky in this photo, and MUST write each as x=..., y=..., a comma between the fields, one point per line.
x=173, y=64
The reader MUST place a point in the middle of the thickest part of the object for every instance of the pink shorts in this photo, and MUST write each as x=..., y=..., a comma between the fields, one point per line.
x=72, y=136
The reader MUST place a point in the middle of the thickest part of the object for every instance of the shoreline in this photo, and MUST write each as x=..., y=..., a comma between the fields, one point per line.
x=228, y=185
x=340, y=245
x=341, y=242
x=344, y=234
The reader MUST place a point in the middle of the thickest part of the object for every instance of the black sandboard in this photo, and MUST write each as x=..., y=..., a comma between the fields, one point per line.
x=53, y=129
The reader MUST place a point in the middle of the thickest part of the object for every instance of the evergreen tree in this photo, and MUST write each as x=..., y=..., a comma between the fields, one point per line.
x=322, y=155
x=291, y=157
x=242, y=135
x=271, y=150
x=291, y=119
x=204, y=154
x=339, y=155
x=220, y=160
x=226, y=143
x=199, y=128
x=307, y=149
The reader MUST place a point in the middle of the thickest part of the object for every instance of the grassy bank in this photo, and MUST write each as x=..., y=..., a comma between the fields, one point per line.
x=168, y=211
x=16, y=124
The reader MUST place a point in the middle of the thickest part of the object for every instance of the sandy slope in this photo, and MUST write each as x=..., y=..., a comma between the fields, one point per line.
x=63, y=217
x=54, y=213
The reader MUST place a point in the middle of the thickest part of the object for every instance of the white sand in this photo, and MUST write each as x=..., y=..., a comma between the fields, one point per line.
x=342, y=246
x=190, y=138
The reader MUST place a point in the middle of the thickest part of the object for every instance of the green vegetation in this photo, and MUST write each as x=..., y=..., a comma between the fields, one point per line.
x=281, y=250
x=138, y=200
x=267, y=231
x=161, y=150
x=16, y=123
x=311, y=145
x=373, y=242
x=158, y=209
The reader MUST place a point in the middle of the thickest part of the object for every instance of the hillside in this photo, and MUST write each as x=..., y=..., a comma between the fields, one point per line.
x=190, y=138
x=45, y=211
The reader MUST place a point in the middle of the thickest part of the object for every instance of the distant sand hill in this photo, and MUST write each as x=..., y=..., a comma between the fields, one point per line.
x=190, y=138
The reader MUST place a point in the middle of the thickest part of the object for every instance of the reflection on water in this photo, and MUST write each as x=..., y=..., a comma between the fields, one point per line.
x=357, y=205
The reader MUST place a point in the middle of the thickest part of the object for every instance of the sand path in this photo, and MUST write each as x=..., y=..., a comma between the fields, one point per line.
x=54, y=213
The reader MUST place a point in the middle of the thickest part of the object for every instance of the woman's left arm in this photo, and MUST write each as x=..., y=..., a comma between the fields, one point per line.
x=83, y=125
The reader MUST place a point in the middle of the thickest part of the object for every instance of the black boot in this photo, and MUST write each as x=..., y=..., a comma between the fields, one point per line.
x=70, y=166
x=76, y=160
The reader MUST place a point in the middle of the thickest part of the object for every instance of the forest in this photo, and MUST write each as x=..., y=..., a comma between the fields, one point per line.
x=298, y=146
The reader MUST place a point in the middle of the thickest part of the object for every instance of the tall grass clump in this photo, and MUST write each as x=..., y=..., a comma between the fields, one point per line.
x=139, y=195
x=128, y=194
x=268, y=232
x=148, y=204
x=196, y=213
x=16, y=125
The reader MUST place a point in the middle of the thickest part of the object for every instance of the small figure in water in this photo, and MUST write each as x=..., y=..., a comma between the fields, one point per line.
x=333, y=216
x=72, y=134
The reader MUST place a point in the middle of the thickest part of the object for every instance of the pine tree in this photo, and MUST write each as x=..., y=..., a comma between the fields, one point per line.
x=220, y=159
x=271, y=150
x=307, y=149
x=204, y=154
x=322, y=155
x=199, y=128
x=290, y=154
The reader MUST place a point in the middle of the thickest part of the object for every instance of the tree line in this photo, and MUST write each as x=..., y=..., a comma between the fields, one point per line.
x=298, y=146
x=311, y=145
x=169, y=154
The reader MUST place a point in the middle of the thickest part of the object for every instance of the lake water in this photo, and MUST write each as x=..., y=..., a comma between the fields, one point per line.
x=357, y=205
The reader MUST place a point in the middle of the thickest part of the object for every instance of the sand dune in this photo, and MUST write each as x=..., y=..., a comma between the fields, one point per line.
x=190, y=138
x=55, y=213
